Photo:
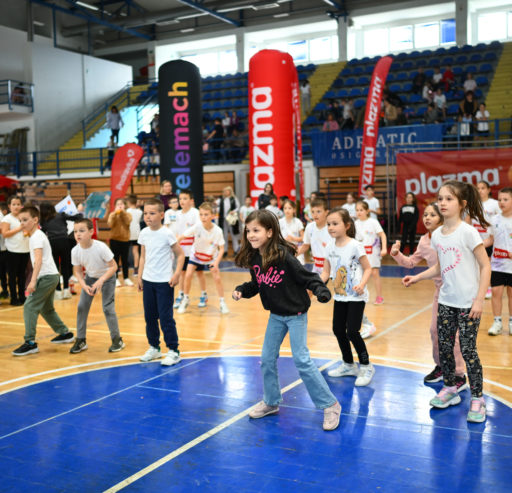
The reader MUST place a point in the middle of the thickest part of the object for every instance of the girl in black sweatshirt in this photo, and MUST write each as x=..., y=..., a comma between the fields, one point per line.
x=282, y=283
x=409, y=216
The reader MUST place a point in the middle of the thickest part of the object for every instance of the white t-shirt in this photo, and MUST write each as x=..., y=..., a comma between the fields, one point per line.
x=40, y=240
x=159, y=257
x=367, y=232
x=245, y=211
x=318, y=239
x=491, y=209
x=482, y=126
x=206, y=243
x=95, y=259
x=459, y=269
x=374, y=205
x=293, y=228
x=277, y=212
x=17, y=243
x=171, y=218
x=501, y=229
x=346, y=270
x=351, y=208
x=184, y=221
x=135, y=222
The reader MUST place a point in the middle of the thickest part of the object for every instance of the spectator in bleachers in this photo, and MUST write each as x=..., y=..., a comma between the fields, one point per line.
x=469, y=83
x=226, y=123
x=154, y=161
x=330, y=124
x=18, y=94
x=418, y=81
x=391, y=96
x=465, y=127
x=348, y=115
x=448, y=79
x=431, y=115
x=359, y=120
x=114, y=122
x=482, y=127
x=428, y=92
x=468, y=105
x=401, y=117
x=216, y=139
x=234, y=122
x=264, y=198
x=236, y=146
x=165, y=193
x=440, y=103
x=437, y=77
x=155, y=123
x=390, y=114
x=305, y=96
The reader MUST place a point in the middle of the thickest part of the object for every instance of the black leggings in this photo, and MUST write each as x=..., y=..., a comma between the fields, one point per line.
x=61, y=251
x=17, y=263
x=408, y=236
x=346, y=323
x=3, y=269
x=120, y=249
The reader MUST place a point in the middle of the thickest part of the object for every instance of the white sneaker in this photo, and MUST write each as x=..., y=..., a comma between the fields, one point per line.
x=128, y=282
x=496, y=328
x=66, y=294
x=367, y=330
x=171, y=358
x=510, y=327
x=177, y=301
x=224, y=308
x=57, y=295
x=183, y=305
x=344, y=370
x=488, y=295
x=151, y=354
x=118, y=283
x=366, y=373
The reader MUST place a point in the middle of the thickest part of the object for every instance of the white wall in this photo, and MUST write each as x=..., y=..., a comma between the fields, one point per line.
x=14, y=55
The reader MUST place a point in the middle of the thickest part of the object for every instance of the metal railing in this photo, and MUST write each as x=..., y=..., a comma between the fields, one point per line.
x=16, y=93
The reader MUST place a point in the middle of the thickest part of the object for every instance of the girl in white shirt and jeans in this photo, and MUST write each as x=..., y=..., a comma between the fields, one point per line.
x=465, y=271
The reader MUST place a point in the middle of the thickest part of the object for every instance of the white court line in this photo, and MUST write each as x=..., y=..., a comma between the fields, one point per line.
x=197, y=441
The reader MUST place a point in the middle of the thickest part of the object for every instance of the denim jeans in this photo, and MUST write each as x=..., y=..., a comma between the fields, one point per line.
x=315, y=383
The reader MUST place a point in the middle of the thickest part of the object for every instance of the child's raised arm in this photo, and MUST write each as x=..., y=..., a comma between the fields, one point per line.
x=408, y=262
x=434, y=271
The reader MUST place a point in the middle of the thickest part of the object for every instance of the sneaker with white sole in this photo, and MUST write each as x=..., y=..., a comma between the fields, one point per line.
x=203, y=299
x=117, y=345
x=344, y=370
x=496, y=328
x=365, y=376
x=224, y=308
x=128, y=282
x=367, y=330
x=151, y=354
x=171, y=358
x=332, y=417
x=79, y=346
x=26, y=348
x=477, y=410
x=510, y=327
x=436, y=375
x=177, y=301
x=183, y=305
x=261, y=409
x=446, y=397
x=57, y=295
x=66, y=294
x=118, y=283
x=66, y=338
x=461, y=383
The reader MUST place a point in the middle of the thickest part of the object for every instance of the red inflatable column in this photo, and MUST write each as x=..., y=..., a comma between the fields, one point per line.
x=271, y=123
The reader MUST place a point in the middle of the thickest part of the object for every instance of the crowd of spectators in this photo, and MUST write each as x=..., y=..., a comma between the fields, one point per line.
x=225, y=140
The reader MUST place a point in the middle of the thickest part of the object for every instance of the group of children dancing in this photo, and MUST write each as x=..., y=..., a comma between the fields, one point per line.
x=176, y=244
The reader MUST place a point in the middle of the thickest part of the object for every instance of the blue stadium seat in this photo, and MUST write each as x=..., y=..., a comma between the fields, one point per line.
x=471, y=69
x=447, y=60
x=466, y=48
x=329, y=95
x=227, y=104
x=358, y=70
x=216, y=105
x=391, y=77
x=475, y=58
x=228, y=94
x=429, y=72
x=453, y=50
x=207, y=96
x=415, y=98
x=346, y=71
x=401, y=76
x=369, y=69
x=366, y=90
x=342, y=93
x=395, y=87
x=457, y=70
x=395, y=66
x=453, y=109
x=485, y=68
x=461, y=59
x=490, y=57
x=311, y=120
x=355, y=92
x=359, y=103
x=421, y=111
x=440, y=51
x=363, y=81
x=401, y=56
x=408, y=65
x=407, y=87
x=482, y=80
x=434, y=62
x=478, y=93
x=321, y=106
x=350, y=81
x=217, y=95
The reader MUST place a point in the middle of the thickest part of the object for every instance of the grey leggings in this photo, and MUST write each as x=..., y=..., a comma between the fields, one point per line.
x=107, y=297
x=449, y=320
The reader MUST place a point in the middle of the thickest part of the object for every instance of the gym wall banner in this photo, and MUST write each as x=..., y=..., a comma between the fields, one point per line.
x=371, y=123
x=181, y=153
x=272, y=78
x=125, y=161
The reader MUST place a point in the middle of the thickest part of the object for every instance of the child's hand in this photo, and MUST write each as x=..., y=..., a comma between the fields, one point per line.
x=31, y=287
x=409, y=280
x=476, y=309
x=174, y=280
x=395, y=248
x=236, y=295
x=139, y=282
x=96, y=287
x=384, y=252
x=359, y=289
x=323, y=295
x=214, y=267
x=88, y=289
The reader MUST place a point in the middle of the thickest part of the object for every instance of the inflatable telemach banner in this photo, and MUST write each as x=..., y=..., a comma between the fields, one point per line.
x=371, y=123
x=125, y=161
x=272, y=133
x=181, y=154
x=423, y=173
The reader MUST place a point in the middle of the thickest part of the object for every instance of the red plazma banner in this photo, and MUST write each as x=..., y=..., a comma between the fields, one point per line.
x=371, y=124
x=123, y=167
x=423, y=173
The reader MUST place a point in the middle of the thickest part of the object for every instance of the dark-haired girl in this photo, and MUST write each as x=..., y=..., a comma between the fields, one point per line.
x=466, y=272
x=408, y=219
x=282, y=283
x=348, y=266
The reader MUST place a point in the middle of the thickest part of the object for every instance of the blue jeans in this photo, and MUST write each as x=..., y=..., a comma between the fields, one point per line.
x=158, y=298
x=315, y=383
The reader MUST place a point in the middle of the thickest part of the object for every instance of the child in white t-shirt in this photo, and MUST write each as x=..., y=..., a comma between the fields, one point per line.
x=207, y=250
x=100, y=267
x=273, y=207
x=246, y=209
x=171, y=214
x=157, y=280
x=465, y=271
x=372, y=201
x=500, y=234
x=136, y=215
x=41, y=288
x=370, y=233
x=350, y=205
x=292, y=228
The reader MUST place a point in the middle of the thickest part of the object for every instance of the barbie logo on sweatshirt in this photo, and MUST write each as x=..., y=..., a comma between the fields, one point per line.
x=270, y=277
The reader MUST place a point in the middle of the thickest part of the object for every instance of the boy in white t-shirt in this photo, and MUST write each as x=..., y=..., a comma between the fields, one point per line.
x=316, y=235
x=372, y=201
x=100, y=268
x=136, y=215
x=500, y=233
x=41, y=287
x=246, y=209
x=207, y=250
x=171, y=214
x=273, y=207
x=157, y=280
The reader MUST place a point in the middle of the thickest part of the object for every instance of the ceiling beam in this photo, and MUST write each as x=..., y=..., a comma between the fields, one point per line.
x=211, y=12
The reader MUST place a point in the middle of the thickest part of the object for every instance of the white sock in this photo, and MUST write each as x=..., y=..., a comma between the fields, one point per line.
x=185, y=296
x=221, y=299
x=498, y=319
x=203, y=293
x=180, y=294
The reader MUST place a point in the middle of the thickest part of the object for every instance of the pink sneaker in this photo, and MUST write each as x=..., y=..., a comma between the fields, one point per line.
x=379, y=300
